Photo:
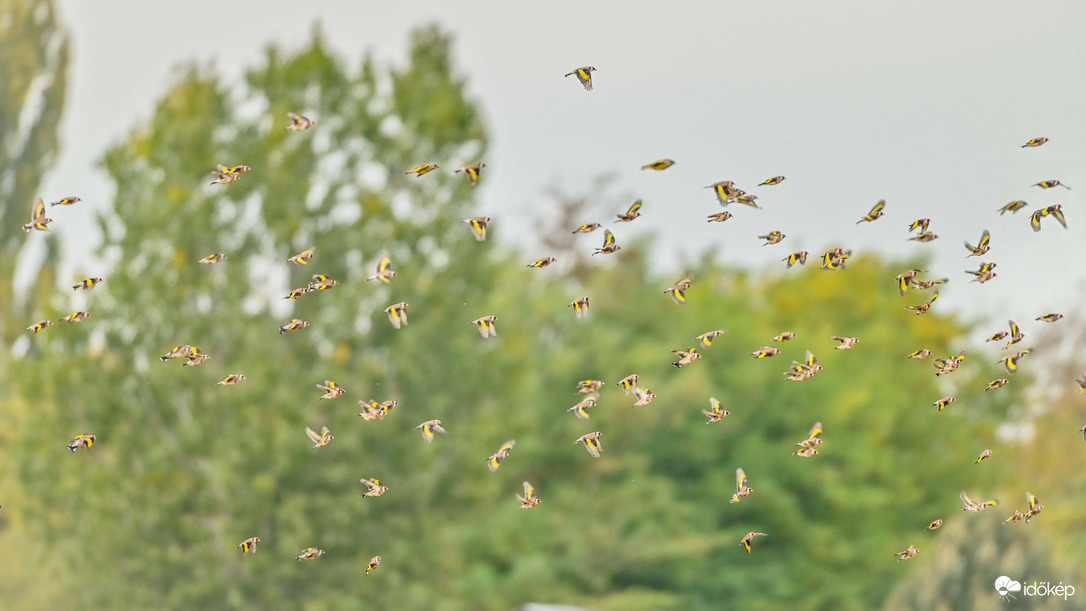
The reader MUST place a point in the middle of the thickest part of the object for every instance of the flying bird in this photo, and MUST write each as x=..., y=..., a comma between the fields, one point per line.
x=496, y=458
x=644, y=396
x=983, y=455
x=591, y=443
x=581, y=409
x=977, y=507
x=331, y=389
x=1035, y=142
x=303, y=257
x=231, y=379
x=707, y=338
x=37, y=217
x=773, y=237
x=776, y=180
x=935, y=525
x=921, y=224
x=428, y=429
x=1000, y=383
x=720, y=217
x=1055, y=211
x=212, y=259
x=310, y=553
x=796, y=257
x=945, y=401
x=742, y=490
x=580, y=307
x=765, y=352
x=1049, y=317
x=1012, y=207
x=38, y=326
x=373, y=564
x=587, y=228
x=747, y=538
x=925, y=236
x=923, y=353
x=529, y=500
x=662, y=164
x=907, y=554
x=293, y=325
x=686, y=357
x=322, y=439
x=589, y=386
x=478, y=226
x=249, y=545
x=845, y=342
x=814, y=436
x=374, y=487
x=384, y=270
x=77, y=317
x=1034, y=507
x=924, y=307
x=716, y=411
x=472, y=171
x=1048, y=184
x=422, y=168
x=584, y=75
x=875, y=213
x=67, y=201
x=609, y=245
x=632, y=213
x=397, y=314
x=628, y=383
x=725, y=191
x=82, y=441
x=783, y=337
x=982, y=247
x=544, y=262
x=298, y=123
x=1011, y=362
x=678, y=290
x=486, y=326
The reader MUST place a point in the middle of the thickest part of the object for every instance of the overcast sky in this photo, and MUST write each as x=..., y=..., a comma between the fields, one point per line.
x=924, y=104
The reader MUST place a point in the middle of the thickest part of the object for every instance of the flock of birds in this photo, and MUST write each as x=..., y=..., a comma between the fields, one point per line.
x=726, y=193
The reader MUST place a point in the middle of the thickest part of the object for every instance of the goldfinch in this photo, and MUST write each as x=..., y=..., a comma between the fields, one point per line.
x=644, y=396
x=720, y=217
x=472, y=171
x=581, y=409
x=765, y=352
x=77, y=317
x=632, y=213
x=374, y=487
x=87, y=285
x=921, y=224
x=1017, y=516
x=1000, y=383
x=67, y=201
x=397, y=314
x=82, y=441
x=1011, y=362
x=945, y=401
x=331, y=389
x=1048, y=184
x=544, y=262
x=924, y=307
x=773, y=237
x=725, y=191
x=776, y=180
x=320, y=440
x=591, y=443
x=298, y=123
x=1034, y=507
x=373, y=564
x=496, y=458
x=875, y=213
x=422, y=168
x=322, y=283
x=529, y=500
x=293, y=325
x=384, y=270
x=678, y=290
x=742, y=490
x=580, y=307
x=587, y=228
x=814, y=436
x=1012, y=207
x=212, y=259
x=796, y=257
x=716, y=411
x=296, y=293
x=1035, y=142
x=303, y=257
x=981, y=247
x=1056, y=212
x=179, y=352
x=584, y=75
x=925, y=236
x=589, y=386
x=37, y=217
x=478, y=226
x=662, y=164
x=1016, y=335
x=486, y=326
x=935, y=524
x=996, y=337
x=706, y=339
x=923, y=353
x=948, y=364
x=232, y=379
x=1049, y=317
x=38, y=326
x=428, y=429
x=805, y=452
x=609, y=245
x=907, y=554
x=783, y=337
x=686, y=357
x=628, y=383
x=249, y=545
x=845, y=343
x=310, y=554
x=983, y=455
x=747, y=538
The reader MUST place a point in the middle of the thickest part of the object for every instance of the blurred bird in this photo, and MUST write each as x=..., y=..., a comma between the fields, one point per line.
x=924, y=307
x=948, y=364
x=310, y=554
x=1034, y=507
x=784, y=337
x=397, y=314
x=544, y=262
x=716, y=411
x=875, y=213
x=581, y=409
x=587, y=228
x=814, y=436
x=225, y=178
x=428, y=429
x=38, y=326
x=678, y=290
x=195, y=360
x=67, y=201
x=478, y=226
x=921, y=224
x=231, y=379
x=422, y=168
x=321, y=440
x=802, y=371
x=983, y=455
x=373, y=564
x=923, y=353
x=773, y=237
x=835, y=259
x=1011, y=362
x=1056, y=212
x=796, y=257
x=845, y=342
x=1017, y=516
x=298, y=123
x=584, y=75
x=997, y=337
x=776, y=180
x=1049, y=317
x=472, y=171
x=644, y=396
x=742, y=491
x=971, y=506
x=1016, y=335
x=179, y=352
x=686, y=357
x=720, y=217
x=633, y=212
x=374, y=487
x=322, y=283
x=298, y=292
x=591, y=443
x=1000, y=383
x=628, y=383
x=907, y=554
x=372, y=410
x=589, y=386
x=1048, y=184
x=765, y=352
x=982, y=247
x=725, y=190
x=1012, y=207
x=1035, y=142
x=983, y=273
x=662, y=164
x=486, y=326
x=945, y=401
x=293, y=325
x=37, y=217
x=384, y=270
x=331, y=389
x=238, y=169
x=706, y=339
x=529, y=500
x=935, y=525
x=580, y=307
x=496, y=458
x=805, y=452
x=746, y=199
x=609, y=245
x=924, y=237
x=77, y=317
x=747, y=538
x=82, y=441
x=303, y=257
x=249, y=545
x=924, y=285
x=212, y=259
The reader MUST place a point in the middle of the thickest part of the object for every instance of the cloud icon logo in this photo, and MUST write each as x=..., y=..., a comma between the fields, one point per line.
x=1005, y=585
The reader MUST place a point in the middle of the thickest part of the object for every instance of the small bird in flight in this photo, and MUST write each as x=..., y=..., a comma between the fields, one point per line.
x=298, y=123
x=584, y=75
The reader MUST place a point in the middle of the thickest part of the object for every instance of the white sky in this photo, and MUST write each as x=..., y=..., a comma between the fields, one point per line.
x=921, y=103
